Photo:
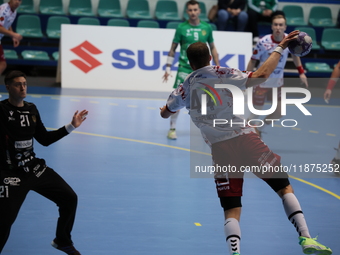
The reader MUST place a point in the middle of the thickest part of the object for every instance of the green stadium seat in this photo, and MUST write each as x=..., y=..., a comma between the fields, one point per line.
x=213, y=26
x=88, y=21
x=80, y=8
x=321, y=16
x=173, y=24
x=330, y=39
x=110, y=9
x=11, y=54
x=35, y=55
x=318, y=67
x=148, y=23
x=138, y=9
x=26, y=6
x=203, y=16
x=53, y=29
x=118, y=23
x=166, y=10
x=311, y=32
x=51, y=7
x=55, y=55
x=294, y=15
x=29, y=26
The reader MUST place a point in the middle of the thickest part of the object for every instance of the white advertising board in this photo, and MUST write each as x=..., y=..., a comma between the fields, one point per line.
x=130, y=58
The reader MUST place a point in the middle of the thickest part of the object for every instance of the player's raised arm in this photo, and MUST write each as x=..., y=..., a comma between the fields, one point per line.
x=270, y=64
x=169, y=61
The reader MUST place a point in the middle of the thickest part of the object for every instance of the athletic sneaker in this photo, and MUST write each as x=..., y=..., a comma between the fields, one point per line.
x=68, y=249
x=311, y=246
x=172, y=134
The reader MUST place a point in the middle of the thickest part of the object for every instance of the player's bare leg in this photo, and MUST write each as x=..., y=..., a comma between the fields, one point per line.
x=232, y=229
x=172, y=132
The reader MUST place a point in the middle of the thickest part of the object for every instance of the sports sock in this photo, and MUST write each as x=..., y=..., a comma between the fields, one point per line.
x=173, y=120
x=294, y=213
x=232, y=232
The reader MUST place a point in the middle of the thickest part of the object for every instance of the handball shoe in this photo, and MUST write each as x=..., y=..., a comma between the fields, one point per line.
x=172, y=134
x=311, y=246
x=68, y=249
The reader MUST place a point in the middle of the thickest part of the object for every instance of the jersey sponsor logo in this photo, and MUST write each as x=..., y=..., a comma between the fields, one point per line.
x=84, y=51
x=23, y=144
x=12, y=181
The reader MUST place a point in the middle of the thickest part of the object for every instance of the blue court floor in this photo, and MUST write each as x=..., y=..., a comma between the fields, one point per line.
x=135, y=192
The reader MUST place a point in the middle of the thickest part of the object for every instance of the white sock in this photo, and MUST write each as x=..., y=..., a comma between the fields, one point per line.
x=294, y=213
x=232, y=233
x=173, y=120
x=337, y=155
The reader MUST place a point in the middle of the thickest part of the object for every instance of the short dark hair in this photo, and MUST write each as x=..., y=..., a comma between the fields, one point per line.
x=278, y=15
x=12, y=75
x=192, y=2
x=198, y=54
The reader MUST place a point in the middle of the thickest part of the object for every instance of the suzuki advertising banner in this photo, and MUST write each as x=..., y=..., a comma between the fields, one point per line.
x=130, y=58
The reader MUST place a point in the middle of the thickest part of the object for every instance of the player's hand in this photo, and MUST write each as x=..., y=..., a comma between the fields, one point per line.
x=303, y=79
x=290, y=37
x=165, y=76
x=15, y=42
x=78, y=118
x=17, y=36
x=327, y=95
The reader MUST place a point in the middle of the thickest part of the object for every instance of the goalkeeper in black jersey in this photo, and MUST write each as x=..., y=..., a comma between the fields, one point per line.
x=21, y=171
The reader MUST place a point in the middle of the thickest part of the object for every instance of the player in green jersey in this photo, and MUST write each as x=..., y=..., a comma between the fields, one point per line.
x=188, y=32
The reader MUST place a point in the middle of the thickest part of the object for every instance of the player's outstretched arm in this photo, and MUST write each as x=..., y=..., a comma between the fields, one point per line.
x=270, y=64
x=169, y=61
x=78, y=118
x=332, y=81
x=299, y=67
x=214, y=53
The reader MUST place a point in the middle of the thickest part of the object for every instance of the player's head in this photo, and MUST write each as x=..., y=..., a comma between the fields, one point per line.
x=279, y=24
x=16, y=85
x=198, y=55
x=193, y=9
x=14, y=4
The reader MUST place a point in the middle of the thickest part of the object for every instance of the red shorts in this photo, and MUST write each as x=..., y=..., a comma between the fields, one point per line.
x=238, y=153
x=2, y=55
x=261, y=94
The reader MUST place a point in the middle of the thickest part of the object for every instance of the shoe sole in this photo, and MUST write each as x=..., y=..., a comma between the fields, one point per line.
x=316, y=252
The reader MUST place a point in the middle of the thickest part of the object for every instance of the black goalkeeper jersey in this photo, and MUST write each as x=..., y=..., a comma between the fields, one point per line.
x=18, y=127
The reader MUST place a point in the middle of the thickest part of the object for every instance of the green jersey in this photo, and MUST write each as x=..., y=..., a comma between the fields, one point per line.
x=187, y=34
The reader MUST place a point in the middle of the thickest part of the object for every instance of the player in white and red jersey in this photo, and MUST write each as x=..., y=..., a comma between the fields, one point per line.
x=7, y=16
x=261, y=53
x=233, y=143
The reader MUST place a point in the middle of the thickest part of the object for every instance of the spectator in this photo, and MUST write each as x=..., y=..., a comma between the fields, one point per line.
x=259, y=10
x=234, y=10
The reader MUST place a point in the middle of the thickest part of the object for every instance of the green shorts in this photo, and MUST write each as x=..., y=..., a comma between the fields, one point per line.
x=182, y=73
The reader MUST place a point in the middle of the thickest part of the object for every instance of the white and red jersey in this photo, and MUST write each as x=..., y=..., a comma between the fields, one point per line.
x=219, y=103
x=7, y=16
x=265, y=46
